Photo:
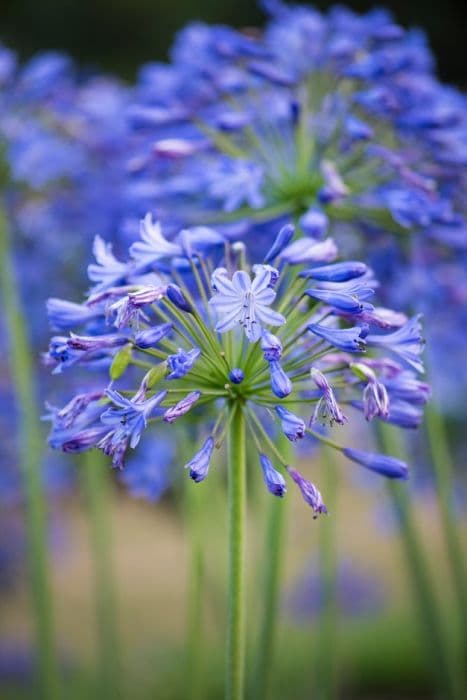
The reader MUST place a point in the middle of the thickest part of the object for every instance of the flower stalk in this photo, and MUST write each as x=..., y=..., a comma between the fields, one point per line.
x=98, y=493
x=30, y=441
x=235, y=668
x=425, y=600
x=327, y=653
x=443, y=468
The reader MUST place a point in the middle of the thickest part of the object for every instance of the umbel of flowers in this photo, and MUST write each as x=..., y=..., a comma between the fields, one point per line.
x=291, y=343
x=336, y=119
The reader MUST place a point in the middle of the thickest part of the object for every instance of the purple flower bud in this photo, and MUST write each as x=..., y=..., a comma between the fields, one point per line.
x=182, y=407
x=405, y=387
x=177, y=297
x=98, y=342
x=293, y=426
x=307, y=250
x=199, y=464
x=404, y=415
x=340, y=300
x=282, y=240
x=314, y=223
x=151, y=336
x=80, y=441
x=273, y=479
x=271, y=346
x=347, y=339
x=64, y=314
x=236, y=375
x=309, y=492
x=280, y=383
x=338, y=272
x=181, y=363
x=382, y=464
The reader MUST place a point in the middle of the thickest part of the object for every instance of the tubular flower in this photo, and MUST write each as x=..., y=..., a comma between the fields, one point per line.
x=226, y=358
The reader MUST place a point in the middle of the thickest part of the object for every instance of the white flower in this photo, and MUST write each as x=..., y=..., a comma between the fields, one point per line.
x=241, y=301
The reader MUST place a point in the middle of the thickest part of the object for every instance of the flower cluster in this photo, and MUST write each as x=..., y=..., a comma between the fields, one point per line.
x=292, y=344
x=336, y=119
x=62, y=143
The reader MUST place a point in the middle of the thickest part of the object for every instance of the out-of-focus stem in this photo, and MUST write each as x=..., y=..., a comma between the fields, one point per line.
x=273, y=552
x=443, y=468
x=30, y=453
x=194, y=640
x=426, y=604
x=96, y=474
x=327, y=647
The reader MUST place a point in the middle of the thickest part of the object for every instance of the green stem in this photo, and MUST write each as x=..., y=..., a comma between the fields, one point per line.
x=31, y=449
x=443, y=468
x=425, y=600
x=96, y=476
x=237, y=526
x=194, y=642
x=274, y=559
x=326, y=651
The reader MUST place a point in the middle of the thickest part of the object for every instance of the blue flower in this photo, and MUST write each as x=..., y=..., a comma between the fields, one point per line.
x=236, y=375
x=108, y=271
x=149, y=337
x=280, y=383
x=310, y=493
x=243, y=302
x=295, y=365
x=347, y=339
x=281, y=241
x=273, y=479
x=153, y=246
x=314, y=223
x=327, y=409
x=181, y=363
x=64, y=315
x=125, y=422
x=407, y=342
x=271, y=346
x=199, y=464
x=182, y=407
x=338, y=272
x=382, y=464
x=292, y=426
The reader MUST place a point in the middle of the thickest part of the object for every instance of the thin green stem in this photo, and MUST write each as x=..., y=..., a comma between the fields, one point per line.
x=273, y=551
x=96, y=478
x=31, y=449
x=194, y=507
x=235, y=669
x=443, y=468
x=326, y=649
x=425, y=600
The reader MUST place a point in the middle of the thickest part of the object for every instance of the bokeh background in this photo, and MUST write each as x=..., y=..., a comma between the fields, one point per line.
x=379, y=651
x=119, y=36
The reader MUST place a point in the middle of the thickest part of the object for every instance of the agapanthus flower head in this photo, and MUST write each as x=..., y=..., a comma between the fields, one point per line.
x=228, y=336
x=334, y=119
